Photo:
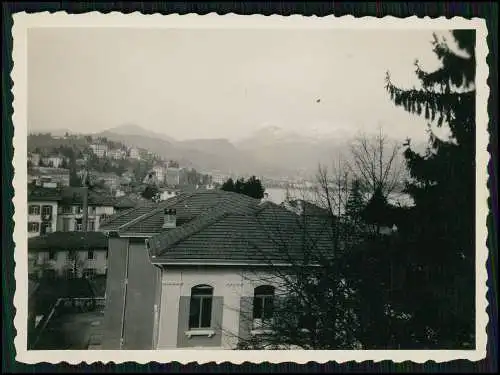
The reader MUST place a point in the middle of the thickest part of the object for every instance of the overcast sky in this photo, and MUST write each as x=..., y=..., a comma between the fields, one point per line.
x=220, y=83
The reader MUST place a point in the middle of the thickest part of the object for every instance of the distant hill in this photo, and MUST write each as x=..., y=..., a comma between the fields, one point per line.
x=204, y=155
x=132, y=129
x=269, y=151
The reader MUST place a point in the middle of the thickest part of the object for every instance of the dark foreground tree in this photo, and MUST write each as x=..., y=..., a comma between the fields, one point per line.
x=251, y=187
x=443, y=187
x=228, y=185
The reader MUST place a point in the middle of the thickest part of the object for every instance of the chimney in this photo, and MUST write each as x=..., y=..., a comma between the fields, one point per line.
x=265, y=198
x=169, y=218
x=300, y=207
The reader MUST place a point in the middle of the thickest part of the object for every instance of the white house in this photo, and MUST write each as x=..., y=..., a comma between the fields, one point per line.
x=58, y=253
x=46, y=175
x=172, y=177
x=42, y=210
x=159, y=171
x=196, y=261
x=117, y=154
x=34, y=158
x=100, y=149
x=70, y=215
x=134, y=153
x=53, y=161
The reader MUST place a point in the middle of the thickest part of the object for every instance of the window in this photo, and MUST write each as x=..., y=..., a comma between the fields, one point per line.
x=52, y=255
x=91, y=225
x=200, y=307
x=67, y=210
x=46, y=210
x=79, y=225
x=90, y=254
x=33, y=227
x=34, y=210
x=263, y=305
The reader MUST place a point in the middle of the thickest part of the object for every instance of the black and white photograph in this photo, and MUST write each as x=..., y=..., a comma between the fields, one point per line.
x=221, y=185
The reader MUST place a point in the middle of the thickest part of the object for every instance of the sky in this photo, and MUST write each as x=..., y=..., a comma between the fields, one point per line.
x=223, y=84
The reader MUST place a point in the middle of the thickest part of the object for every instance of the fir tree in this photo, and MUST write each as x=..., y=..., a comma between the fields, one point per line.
x=442, y=186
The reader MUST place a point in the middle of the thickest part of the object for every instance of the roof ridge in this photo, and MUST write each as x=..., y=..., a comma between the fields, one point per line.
x=161, y=206
x=120, y=214
x=191, y=228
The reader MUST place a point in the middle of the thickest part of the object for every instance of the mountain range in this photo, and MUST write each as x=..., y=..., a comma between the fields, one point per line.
x=268, y=151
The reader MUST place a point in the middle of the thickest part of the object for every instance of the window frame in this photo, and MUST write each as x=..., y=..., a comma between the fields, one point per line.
x=263, y=293
x=67, y=210
x=32, y=206
x=78, y=225
x=198, y=297
x=37, y=226
x=90, y=255
x=48, y=208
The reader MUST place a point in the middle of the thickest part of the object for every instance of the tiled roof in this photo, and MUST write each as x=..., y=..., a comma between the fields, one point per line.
x=148, y=218
x=43, y=194
x=74, y=195
x=61, y=241
x=68, y=195
x=309, y=208
x=126, y=202
x=260, y=235
x=42, y=171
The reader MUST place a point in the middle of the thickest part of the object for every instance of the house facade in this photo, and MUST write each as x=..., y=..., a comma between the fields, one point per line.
x=134, y=153
x=34, y=158
x=70, y=213
x=117, y=154
x=42, y=211
x=197, y=270
x=100, y=149
x=159, y=171
x=53, y=161
x=60, y=253
x=41, y=176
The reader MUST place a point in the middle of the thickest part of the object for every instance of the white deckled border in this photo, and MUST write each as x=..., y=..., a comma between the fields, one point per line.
x=24, y=21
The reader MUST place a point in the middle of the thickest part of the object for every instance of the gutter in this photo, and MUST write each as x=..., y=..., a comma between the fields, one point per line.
x=203, y=262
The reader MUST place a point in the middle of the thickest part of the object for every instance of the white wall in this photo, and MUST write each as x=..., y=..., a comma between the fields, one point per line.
x=95, y=213
x=232, y=284
x=61, y=262
x=38, y=218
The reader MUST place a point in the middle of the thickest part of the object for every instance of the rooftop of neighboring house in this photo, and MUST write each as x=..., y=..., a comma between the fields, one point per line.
x=68, y=196
x=63, y=241
x=306, y=207
x=40, y=171
x=126, y=202
x=147, y=218
x=74, y=195
x=259, y=234
x=214, y=225
x=43, y=194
